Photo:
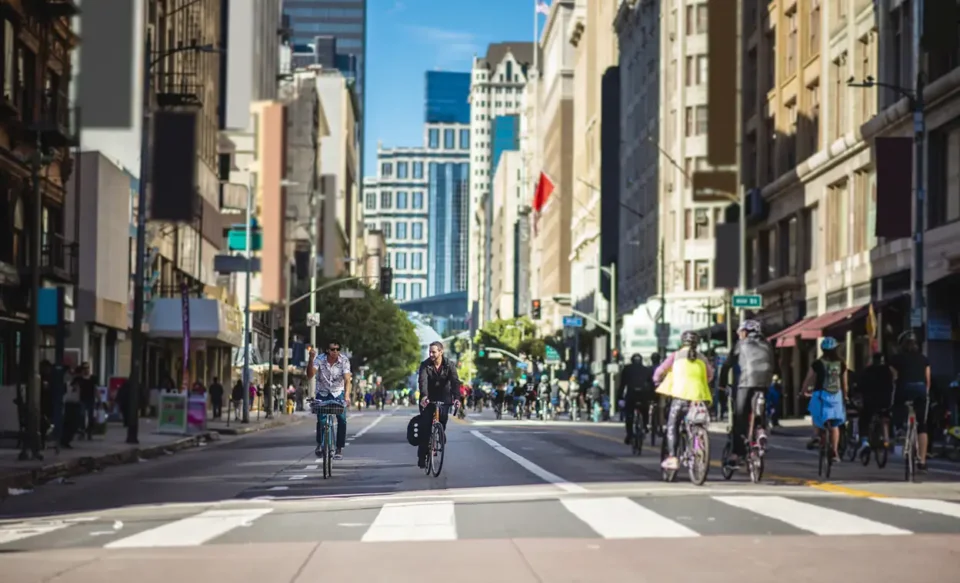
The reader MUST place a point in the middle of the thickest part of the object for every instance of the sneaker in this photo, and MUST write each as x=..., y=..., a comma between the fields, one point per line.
x=762, y=438
x=921, y=467
x=671, y=463
x=318, y=452
x=421, y=463
x=338, y=455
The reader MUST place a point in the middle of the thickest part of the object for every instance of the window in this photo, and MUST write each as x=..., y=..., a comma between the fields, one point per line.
x=790, y=145
x=695, y=71
x=416, y=261
x=386, y=199
x=418, y=200
x=770, y=139
x=464, y=143
x=401, y=231
x=416, y=291
x=449, y=139
x=401, y=259
x=371, y=201
x=696, y=19
x=696, y=120
x=813, y=131
x=771, y=60
x=417, y=231
x=386, y=169
x=400, y=291
x=861, y=212
x=839, y=97
x=690, y=127
x=9, y=73
x=788, y=233
x=418, y=170
x=401, y=200
x=433, y=139
x=867, y=96
x=813, y=27
x=702, y=269
x=402, y=170
x=790, y=66
x=838, y=222
x=701, y=224
x=387, y=230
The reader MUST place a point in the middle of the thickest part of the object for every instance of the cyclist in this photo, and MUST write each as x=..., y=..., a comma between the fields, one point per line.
x=911, y=376
x=691, y=374
x=333, y=377
x=753, y=357
x=828, y=388
x=876, y=384
x=438, y=382
x=635, y=393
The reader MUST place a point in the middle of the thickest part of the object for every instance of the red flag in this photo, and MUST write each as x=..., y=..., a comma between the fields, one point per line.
x=542, y=194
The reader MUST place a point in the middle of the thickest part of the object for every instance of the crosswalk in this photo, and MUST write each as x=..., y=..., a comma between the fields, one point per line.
x=586, y=517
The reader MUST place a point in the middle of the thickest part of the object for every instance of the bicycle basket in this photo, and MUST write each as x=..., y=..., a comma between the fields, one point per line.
x=322, y=408
x=698, y=414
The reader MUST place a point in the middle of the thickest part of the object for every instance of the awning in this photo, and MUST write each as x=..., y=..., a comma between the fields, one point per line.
x=787, y=337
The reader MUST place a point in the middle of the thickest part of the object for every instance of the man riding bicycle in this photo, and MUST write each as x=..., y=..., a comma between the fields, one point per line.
x=911, y=376
x=754, y=357
x=333, y=377
x=691, y=375
x=439, y=383
x=636, y=391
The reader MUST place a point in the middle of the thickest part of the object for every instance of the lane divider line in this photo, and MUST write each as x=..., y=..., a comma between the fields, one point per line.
x=531, y=467
x=368, y=427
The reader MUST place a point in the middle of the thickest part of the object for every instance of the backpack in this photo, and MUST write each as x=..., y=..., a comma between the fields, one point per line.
x=413, y=431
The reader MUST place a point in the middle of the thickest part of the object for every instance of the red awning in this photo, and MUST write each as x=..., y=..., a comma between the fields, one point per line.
x=787, y=337
x=815, y=328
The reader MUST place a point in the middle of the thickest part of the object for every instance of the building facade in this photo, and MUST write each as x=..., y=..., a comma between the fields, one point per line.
x=504, y=235
x=555, y=113
x=397, y=203
x=496, y=89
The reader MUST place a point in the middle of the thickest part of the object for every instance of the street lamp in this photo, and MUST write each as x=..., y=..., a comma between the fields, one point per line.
x=136, y=360
x=915, y=99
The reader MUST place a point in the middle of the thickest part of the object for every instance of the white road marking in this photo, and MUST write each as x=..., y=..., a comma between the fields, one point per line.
x=618, y=518
x=924, y=505
x=191, y=531
x=299, y=477
x=279, y=488
x=312, y=467
x=23, y=530
x=369, y=427
x=810, y=517
x=427, y=521
x=531, y=467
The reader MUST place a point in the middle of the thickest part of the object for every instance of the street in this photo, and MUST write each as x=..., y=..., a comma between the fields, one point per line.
x=515, y=502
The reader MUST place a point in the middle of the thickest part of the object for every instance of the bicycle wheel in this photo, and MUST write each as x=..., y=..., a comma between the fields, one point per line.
x=726, y=470
x=654, y=424
x=880, y=452
x=637, y=435
x=909, y=456
x=828, y=451
x=436, y=455
x=824, y=440
x=699, y=455
x=851, y=443
x=328, y=451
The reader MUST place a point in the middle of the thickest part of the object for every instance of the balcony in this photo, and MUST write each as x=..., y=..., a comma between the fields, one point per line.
x=57, y=123
x=54, y=9
x=59, y=259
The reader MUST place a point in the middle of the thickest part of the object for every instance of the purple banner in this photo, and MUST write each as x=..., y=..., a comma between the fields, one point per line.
x=185, y=305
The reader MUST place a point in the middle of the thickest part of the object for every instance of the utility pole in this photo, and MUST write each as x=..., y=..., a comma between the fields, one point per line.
x=662, y=334
x=613, y=334
x=919, y=135
x=30, y=444
x=247, y=333
x=286, y=336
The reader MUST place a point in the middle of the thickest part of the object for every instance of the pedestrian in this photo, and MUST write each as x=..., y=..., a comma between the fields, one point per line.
x=88, y=398
x=216, y=398
x=236, y=397
x=72, y=413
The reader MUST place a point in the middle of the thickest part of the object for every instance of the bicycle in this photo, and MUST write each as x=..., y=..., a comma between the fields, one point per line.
x=756, y=449
x=849, y=435
x=693, y=449
x=875, y=441
x=436, y=444
x=328, y=412
x=639, y=431
x=825, y=461
x=911, y=446
x=653, y=416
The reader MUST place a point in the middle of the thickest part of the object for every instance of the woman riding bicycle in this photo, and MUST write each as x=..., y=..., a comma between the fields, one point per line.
x=691, y=374
x=826, y=385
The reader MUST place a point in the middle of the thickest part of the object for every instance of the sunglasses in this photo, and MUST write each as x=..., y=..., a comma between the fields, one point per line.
x=337, y=349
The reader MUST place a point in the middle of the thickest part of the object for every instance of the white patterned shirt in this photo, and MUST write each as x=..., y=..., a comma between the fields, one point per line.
x=330, y=377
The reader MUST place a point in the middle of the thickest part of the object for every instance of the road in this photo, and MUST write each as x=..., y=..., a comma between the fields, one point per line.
x=516, y=502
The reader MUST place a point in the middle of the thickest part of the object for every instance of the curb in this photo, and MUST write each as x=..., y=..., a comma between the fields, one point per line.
x=240, y=429
x=87, y=464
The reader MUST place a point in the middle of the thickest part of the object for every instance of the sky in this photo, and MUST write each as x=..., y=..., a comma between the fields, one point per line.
x=407, y=38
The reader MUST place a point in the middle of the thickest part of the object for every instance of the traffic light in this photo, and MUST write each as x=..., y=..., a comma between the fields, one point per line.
x=535, y=309
x=386, y=280
x=482, y=351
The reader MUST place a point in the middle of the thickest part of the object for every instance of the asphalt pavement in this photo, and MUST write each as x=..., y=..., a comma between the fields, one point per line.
x=515, y=502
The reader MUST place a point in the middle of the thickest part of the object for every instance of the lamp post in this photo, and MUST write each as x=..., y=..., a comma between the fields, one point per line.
x=136, y=357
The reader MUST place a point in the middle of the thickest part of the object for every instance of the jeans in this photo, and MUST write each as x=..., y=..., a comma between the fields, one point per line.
x=741, y=416
x=341, y=424
x=426, y=423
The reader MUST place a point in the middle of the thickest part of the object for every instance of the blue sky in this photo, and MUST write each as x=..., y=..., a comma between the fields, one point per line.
x=406, y=38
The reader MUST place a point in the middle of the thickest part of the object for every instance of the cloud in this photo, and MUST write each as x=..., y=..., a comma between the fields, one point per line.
x=451, y=47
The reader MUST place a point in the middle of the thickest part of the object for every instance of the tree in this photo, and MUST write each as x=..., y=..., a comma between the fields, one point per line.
x=515, y=335
x=372, y=328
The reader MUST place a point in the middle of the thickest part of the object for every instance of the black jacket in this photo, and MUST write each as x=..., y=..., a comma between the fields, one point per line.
x=441, y=384
x=635, y=380
x=754, y=356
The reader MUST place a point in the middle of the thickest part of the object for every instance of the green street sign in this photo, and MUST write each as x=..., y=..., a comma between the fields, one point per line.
x=750, y=302
x=237, y=239
x=552, y=357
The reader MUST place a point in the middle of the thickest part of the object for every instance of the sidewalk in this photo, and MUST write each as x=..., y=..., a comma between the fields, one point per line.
x=111, y=449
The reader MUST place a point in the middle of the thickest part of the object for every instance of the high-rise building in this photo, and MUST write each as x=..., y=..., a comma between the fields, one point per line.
x=504, y=137
x=496, y=89
x=447, y=145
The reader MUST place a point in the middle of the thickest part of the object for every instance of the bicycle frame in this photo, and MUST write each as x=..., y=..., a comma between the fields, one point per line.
x=910, y=444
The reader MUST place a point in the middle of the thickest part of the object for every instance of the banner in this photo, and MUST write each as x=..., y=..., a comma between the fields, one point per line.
x=173, y=413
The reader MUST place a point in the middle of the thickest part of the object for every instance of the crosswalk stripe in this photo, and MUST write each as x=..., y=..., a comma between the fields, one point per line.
x=924, y=505
x=810, y=517
x=191, y=531
x=24, y=530
x=426, y=521
x=614, y=518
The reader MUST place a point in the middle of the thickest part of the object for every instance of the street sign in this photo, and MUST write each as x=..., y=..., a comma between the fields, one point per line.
x=751, y=302
x=552, y=357
x=235, y=264
x=313, y=320
x=572, y=322
x=237, y=238
x=351, y=294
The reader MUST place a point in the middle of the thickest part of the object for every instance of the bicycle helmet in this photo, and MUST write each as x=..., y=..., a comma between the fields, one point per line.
x=907, y=336
x=750, y=327
x=828, y=343
x=689, y=338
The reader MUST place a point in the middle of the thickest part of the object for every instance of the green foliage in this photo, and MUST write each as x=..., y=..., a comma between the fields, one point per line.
x=515, y=335
x=373, y=329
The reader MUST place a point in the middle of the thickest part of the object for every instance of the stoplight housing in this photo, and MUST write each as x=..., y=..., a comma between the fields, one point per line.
x=482, y=351
x=535, y=309
x=386, y=280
